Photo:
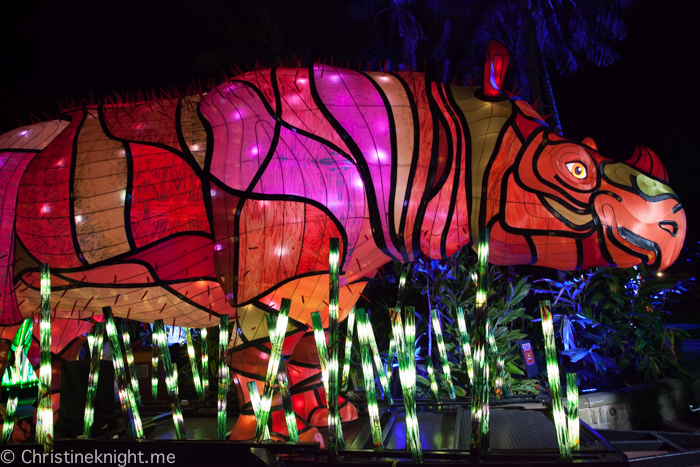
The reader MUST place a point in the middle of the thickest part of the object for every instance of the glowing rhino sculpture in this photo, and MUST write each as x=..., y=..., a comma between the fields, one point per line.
x=189, y=208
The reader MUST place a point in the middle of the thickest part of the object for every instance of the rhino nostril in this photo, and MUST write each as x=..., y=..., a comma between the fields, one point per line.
x=670, y=227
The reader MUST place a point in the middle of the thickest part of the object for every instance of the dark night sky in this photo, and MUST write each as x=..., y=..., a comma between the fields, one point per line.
x=67, y=49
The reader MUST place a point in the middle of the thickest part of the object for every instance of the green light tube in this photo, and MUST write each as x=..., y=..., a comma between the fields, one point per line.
x=348, y=349
x=276, y=331
x=384, y=384
x=390, y=358
x=205, y=364
x=433, y=382
x=126, y=396
x=175, y=378
x=321, y=347
x=154, y=366
x=500, y=375
x=255, y=402
x=335, y=428
x=572, y=409
x=193, y=365
x=223, y=378
x=90, y=341
x=289, y=416
x=283, y=384
x=44, y=419
x=554, y=383
x=493, y=346
x=96, y=355
x=11, y=407
x=130, y=361
x=404, y=338
x=437, y=328
x=170, y=379
x=466, y=348
x=368, y=376
x=480, y=394
x=405, y=271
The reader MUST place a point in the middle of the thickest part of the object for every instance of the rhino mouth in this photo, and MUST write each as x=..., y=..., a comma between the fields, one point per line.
x=622, y=237
x=643, y=243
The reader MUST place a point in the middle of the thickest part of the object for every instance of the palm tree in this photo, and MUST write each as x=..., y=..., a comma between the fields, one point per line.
x=451, y=33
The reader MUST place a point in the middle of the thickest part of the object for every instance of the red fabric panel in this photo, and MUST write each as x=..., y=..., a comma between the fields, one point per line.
x=43, y=204
x=243, y=130
x=184, y=257
x=526, y=126
x=525, y=211
x=279, y=240
x=507, y=249
x=504, y=160
x=556, y=252
x=12, y=166
x=63, y=332
x=416, y=85
x=166, y=196
x=148, y=122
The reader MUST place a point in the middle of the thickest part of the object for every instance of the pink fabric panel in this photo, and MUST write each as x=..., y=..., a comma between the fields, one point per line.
x=306, y=168
x=416, y=84
x=359, y=109
x=243, y=130
x=12, y=167
x=299, y=108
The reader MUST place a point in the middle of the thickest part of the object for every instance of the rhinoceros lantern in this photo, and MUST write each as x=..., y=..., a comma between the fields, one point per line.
x=189, y=208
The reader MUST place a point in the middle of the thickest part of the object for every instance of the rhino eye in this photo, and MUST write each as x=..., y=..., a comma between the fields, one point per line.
x=577, y=169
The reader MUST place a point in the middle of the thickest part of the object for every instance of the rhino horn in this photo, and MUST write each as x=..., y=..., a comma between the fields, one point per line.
x=588, y=141
x=497, y=59
x=648, y=162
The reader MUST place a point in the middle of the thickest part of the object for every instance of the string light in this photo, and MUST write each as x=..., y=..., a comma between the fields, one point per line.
x=348, y=349
x=205, y=364
x=126, y=395
x=170, y=378
x=44, y=420
x=437, y=328
x=554, y=383
x=193, y=365
x=223, y=378
x=368, y=376
x=276, y=332
x=572, y=410
x=130, y=361
x=97, y=335
x=466, y=348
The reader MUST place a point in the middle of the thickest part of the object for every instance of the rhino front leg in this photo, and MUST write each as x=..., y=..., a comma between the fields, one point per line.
x=308, y=395
x=250, y=364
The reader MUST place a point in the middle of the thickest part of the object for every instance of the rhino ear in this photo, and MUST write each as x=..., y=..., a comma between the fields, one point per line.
x=588, y=141
x=497, y=59
x=648, y=162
